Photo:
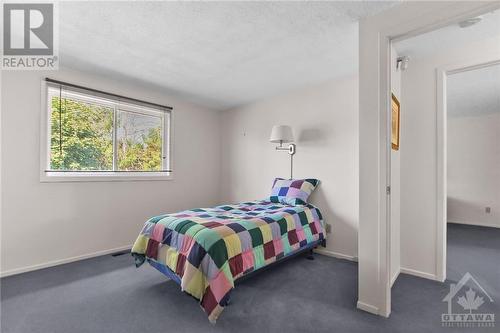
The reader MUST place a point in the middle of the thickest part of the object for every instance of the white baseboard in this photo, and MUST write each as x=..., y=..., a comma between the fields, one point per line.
x=420, y=274
x=480, y=224
x=367, y=307
x=395, y=277
x=338, y=255
x=62, y=261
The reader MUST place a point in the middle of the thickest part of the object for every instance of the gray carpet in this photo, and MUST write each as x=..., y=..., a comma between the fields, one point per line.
x=108, y=294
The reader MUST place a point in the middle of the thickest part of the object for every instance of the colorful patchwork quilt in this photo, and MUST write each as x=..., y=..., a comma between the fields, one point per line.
x=209, y=248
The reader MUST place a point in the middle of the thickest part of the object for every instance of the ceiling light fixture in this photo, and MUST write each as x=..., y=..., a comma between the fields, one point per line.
x=470, y=22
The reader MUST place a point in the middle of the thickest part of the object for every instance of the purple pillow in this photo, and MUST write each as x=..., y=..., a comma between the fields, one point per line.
x=292, y=191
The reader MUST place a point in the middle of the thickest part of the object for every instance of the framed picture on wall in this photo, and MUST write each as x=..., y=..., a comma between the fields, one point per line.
x=395, y=123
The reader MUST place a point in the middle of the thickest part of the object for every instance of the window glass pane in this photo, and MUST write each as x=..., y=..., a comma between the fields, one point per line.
x=81, y=135
x=139, y=142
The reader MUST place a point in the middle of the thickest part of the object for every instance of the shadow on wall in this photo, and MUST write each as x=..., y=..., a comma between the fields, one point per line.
x=313, y=136
x=340, y=225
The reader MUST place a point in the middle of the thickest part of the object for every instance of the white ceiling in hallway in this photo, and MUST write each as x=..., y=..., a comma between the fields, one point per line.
x=450, y=37
x=220, y=54
x=474, y=92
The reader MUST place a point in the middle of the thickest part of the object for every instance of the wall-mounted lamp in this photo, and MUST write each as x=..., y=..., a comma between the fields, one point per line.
x=283, y=134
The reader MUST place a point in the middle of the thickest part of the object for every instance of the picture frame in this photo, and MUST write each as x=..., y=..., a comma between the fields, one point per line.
x=395, y=122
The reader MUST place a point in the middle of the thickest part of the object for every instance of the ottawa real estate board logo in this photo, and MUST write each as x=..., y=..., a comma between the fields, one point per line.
x=467, y=305
x=30, y=38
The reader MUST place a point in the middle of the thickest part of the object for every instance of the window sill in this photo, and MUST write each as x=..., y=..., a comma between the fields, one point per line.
x=58, y=177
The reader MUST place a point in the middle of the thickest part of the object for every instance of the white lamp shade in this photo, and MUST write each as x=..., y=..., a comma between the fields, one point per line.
x=281, y=133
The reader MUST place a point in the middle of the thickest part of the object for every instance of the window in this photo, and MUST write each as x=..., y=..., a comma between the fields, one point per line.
x=93, y=134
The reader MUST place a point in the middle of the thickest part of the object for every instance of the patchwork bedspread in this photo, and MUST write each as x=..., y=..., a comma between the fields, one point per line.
x=209, y=248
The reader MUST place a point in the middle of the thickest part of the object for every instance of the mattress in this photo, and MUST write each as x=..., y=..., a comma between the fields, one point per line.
x=208, y=249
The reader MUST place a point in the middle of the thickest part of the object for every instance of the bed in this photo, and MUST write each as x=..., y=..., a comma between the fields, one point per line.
x=206, y=250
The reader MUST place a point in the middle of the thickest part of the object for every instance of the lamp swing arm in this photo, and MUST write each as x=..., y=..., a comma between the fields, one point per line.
x=291, y=149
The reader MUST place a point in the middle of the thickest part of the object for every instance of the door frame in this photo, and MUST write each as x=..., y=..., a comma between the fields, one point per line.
x=376, y=34
x=442, y=74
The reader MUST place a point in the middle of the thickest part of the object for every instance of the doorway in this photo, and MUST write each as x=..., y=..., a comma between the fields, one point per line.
x=374, y=238
x=471, y=166
x=423, y=69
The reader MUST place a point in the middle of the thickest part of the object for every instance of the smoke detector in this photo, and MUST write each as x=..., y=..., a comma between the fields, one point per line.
x=470, y=22
x=402, y=62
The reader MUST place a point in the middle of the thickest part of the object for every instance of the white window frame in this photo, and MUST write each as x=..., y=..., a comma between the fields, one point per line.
x=47, y=175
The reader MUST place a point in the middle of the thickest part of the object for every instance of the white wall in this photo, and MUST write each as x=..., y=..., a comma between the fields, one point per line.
x=44, y=223
x=419, y=156
x=324, y=120
x=474, y=169
x=395, y=178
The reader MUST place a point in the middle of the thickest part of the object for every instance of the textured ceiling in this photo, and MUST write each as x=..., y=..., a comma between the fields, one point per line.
x=450, y=37
x=220, y=54
x=474, y=92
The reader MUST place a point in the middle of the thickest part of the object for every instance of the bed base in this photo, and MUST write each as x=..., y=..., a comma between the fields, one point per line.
x=309, y=249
